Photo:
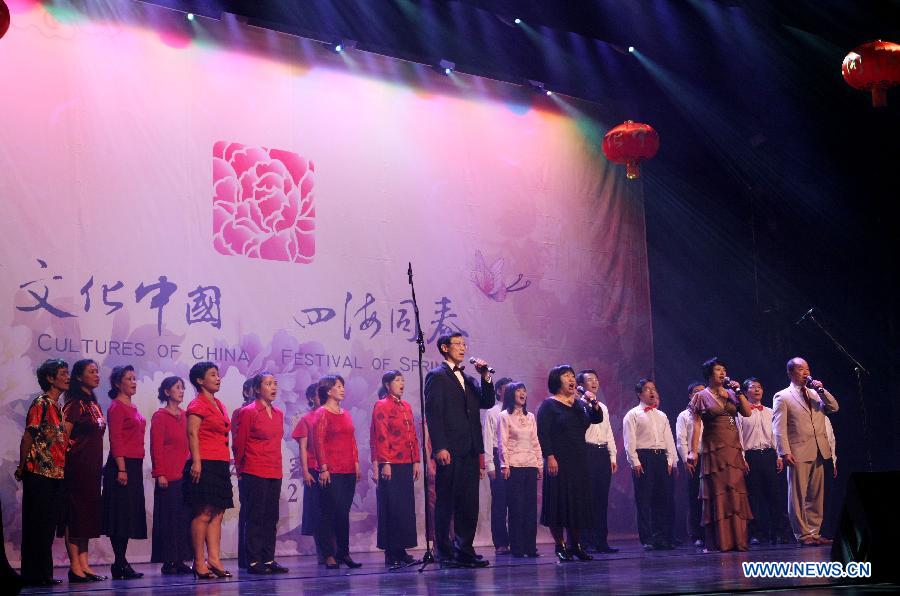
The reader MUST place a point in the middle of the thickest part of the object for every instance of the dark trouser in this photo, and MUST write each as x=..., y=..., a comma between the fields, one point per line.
x=695, y=530
x=500, y=535
x=651, y=496
x=242, y=525
x=828, y=522
x=41, y=501
x=396, y=500
x=337, y=497
x=456, y=498
x=765, y=498
x=171, y=524
x=262, y=517
x=599, y=475
x=522, y=498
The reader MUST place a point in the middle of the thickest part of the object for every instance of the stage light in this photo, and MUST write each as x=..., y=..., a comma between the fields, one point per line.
x=190, y=16
x=517, y=21
x=548, y=92
x=538, y=86
x=338, y=48
x=344, y=45
x=446, y=67
x=631, y=49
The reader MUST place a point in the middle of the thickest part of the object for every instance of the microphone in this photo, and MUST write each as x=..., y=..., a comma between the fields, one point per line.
x=581, y=390
x=490, y=369
x=727, y=383
x=809, y=383
x=805, y=316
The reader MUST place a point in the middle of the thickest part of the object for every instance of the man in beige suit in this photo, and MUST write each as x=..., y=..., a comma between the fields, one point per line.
x=799, y=428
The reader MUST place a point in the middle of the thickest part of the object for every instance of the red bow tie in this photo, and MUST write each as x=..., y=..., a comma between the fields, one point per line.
x=757, y=407
x=648, y=408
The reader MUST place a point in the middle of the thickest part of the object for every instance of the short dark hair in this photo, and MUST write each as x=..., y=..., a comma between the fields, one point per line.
x=76, y=387
x=256, y=381
x=387, y=378
x=509, y=397
x=500, y=385
x=708, y=366
x=198, y=371
x=579, y=378
x=48, y=370
x=325, y=385
x=693, y=385
x=639, y=386
x=167, y=384
x=115, y=378
x=445, y=340
x=746, y=384
x=247, y=390
x=312, y=393
x=554, y=379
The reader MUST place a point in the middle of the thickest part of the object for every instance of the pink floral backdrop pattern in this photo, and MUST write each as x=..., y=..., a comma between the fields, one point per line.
x=222, y=192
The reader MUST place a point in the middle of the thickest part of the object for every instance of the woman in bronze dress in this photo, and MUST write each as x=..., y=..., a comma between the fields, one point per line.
x=723, y=491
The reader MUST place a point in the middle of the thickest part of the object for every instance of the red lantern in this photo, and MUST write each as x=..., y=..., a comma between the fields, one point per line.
x=4, y=18
x=875, y=67
x=631, y=143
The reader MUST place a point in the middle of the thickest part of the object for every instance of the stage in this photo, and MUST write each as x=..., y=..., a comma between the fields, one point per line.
x=631, y=571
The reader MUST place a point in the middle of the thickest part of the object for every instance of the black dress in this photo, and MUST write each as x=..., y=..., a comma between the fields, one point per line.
x=566, y=496
x=84, y=462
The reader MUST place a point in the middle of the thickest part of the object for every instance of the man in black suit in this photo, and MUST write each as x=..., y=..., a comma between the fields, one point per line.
x=452, y=404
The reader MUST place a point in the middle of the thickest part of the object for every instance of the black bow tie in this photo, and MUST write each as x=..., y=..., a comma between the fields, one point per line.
x=458, y=368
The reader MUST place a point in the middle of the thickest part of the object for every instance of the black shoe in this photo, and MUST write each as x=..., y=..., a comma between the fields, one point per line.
x=182, y=569
x=579, y=552
x=42, y=583
x=258, y=569
x=519, y=555
x=276, y=568
x=473, y=563
x=94, y=577
x=78, y=579
x=207, y=575
x=663, y=546
x=124, y=571
x=606, y=549
x=346, y=560
x=754, y=541
x=648, y=547
x=218, y=572
x=407, y=559
x=168, y=569
x=562, y=553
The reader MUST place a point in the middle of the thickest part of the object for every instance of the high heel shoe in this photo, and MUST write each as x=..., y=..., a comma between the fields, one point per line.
x=580, y=553
x=218, y=572
x=78, y=579
x=562, y=552
x=207, y=575
x=346, y=560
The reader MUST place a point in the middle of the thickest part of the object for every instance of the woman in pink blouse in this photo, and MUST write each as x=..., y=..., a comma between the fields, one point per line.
x=169, y=452
x=522, y=465
x=124, y=514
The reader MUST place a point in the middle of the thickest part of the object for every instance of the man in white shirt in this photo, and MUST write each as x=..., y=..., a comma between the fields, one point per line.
x=684, y=432
x=499, y=505
x=650, y=451
x=799, y=421
x=601, y=466
x=758, y=440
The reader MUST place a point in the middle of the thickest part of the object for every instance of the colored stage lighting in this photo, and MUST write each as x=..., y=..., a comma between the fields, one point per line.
x=517, y=21
x=446, y=67
x=631, y=49
x=190, y=16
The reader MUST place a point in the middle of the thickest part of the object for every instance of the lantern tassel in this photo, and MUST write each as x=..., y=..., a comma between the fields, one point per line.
x=879, y=97
x=632, y=170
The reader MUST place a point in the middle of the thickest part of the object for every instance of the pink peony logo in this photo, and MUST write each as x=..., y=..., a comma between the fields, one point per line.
x=263, y=203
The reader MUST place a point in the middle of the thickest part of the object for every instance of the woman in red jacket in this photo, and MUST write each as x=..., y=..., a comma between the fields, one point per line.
x=209, y=491
x=257, y=459
x=338, y=458
x=395, y=457
x=168, y=452
x=124, y=513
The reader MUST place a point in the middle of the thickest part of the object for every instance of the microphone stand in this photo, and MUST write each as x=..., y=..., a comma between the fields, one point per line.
x=859, y=369
x=428, y=556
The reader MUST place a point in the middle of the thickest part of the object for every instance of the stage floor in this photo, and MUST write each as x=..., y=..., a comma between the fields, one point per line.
x=631, y=571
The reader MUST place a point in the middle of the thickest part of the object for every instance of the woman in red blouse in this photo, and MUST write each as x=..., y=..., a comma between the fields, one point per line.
x=124, y=514
x=312, y=507
x=338, y=459
x=209, y=491
x=257, y=459
x=168, y=452
x=85, y=426
x=395, y=459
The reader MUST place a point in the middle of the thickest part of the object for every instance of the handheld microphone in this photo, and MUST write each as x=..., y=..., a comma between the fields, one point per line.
x=490, y=369
x=809, y=383
x=582, y=391
x=805, y=316
x=727, y=382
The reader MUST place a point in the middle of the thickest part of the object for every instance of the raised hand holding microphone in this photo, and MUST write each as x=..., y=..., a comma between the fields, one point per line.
x=588, y=397
x=482, y=367
x=814, y=384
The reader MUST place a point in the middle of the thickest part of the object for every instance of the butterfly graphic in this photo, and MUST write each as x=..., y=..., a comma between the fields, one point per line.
x=490, y=279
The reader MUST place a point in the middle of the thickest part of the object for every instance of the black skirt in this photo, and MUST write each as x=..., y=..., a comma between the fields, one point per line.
x=124, y=512
x=214, y=488
x=396, y=509
x=312, y=507
x=566, y=498
x=171, y=524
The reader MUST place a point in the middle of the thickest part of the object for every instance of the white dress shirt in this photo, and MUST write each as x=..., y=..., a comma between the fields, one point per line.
x=829, y=434
x=647, y=430
x=458, y=373
x=684, y=434
x=601, y=434
x=756, y=430
x=489, y=434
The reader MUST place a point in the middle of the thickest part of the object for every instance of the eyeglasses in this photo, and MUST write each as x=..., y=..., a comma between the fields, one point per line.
x=459, y=344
